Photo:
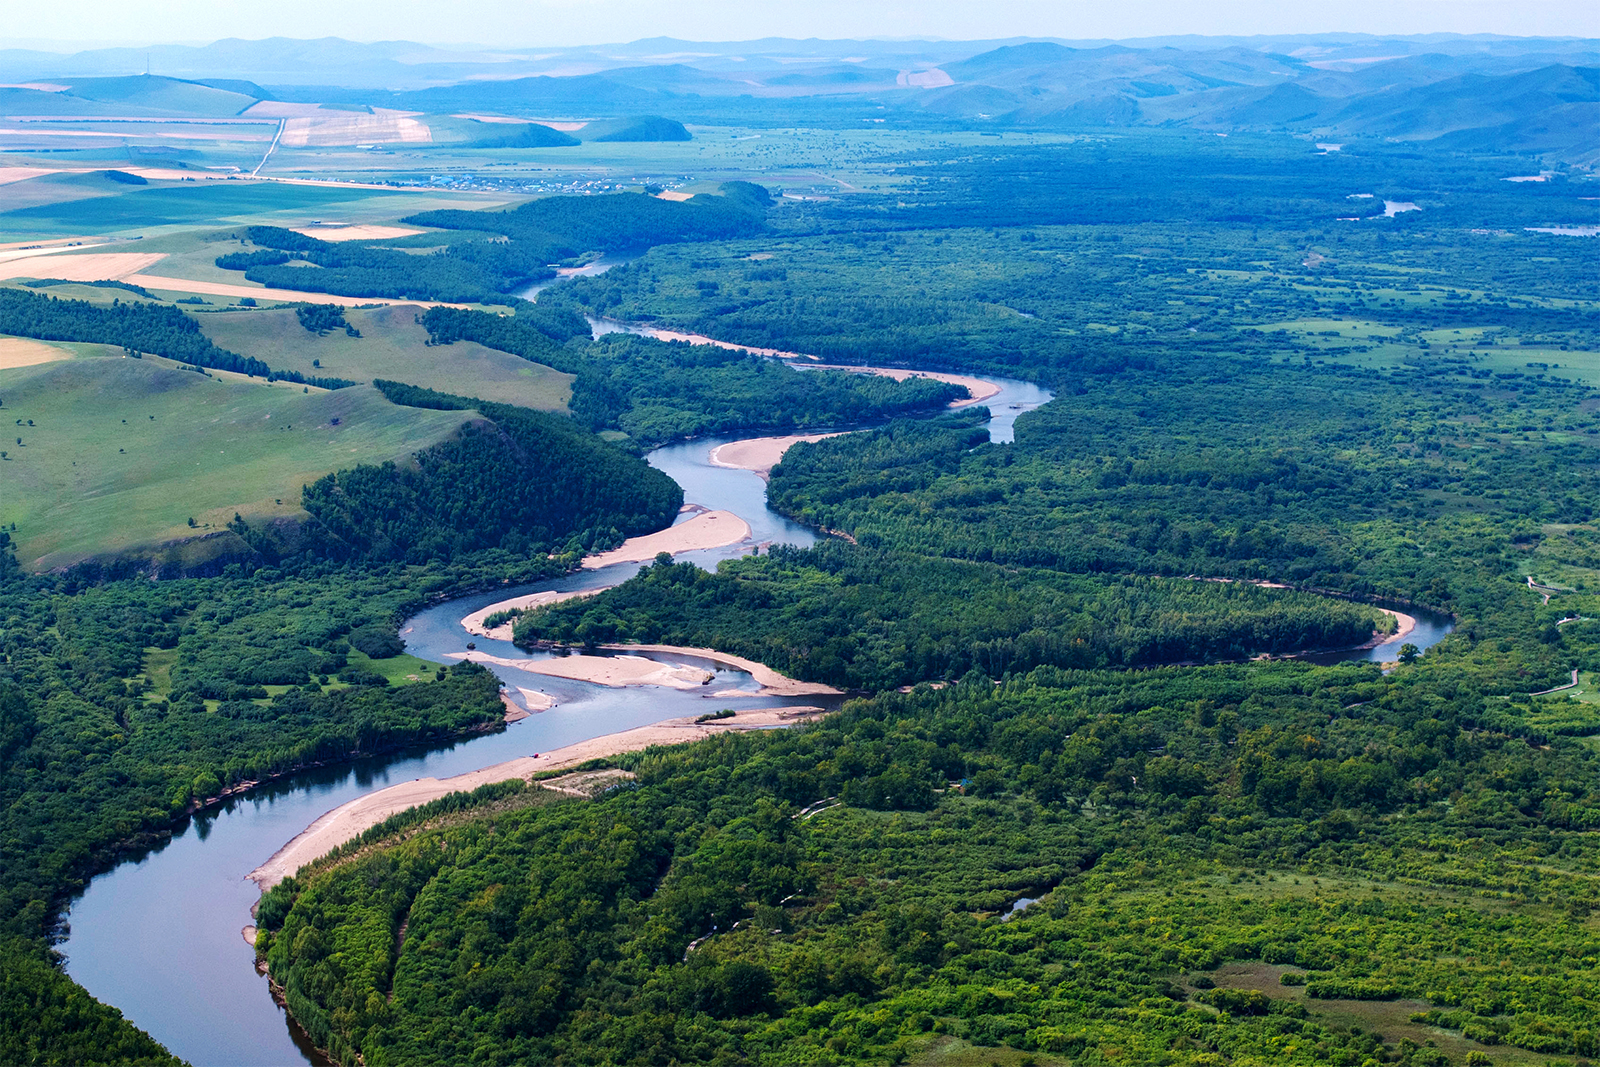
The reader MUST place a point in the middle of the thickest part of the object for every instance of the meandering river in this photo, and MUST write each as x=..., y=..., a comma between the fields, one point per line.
x=159, y=936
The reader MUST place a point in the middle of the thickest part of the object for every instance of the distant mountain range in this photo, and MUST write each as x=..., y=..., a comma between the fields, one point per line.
x=1533, y=95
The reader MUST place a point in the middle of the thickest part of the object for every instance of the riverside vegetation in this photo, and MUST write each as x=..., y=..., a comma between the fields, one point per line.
x=1233, y=862
x=1273, y=862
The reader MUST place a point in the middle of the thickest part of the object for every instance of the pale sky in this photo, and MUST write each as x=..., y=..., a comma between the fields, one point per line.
x=525, y=23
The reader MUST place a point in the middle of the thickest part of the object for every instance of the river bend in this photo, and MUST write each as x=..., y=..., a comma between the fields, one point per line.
x=159, y=936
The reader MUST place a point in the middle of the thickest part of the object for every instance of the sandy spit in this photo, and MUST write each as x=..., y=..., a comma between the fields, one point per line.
x=760, y=454
x=537, y=699
x=711, y=529
x=349, y=820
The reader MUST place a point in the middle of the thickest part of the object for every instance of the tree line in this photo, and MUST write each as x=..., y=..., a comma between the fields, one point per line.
x=137, y=327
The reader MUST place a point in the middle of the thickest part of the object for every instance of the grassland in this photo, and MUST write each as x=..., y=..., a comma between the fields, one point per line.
x=123, y=452
x=392, y=345
x=808, y=163
x=78, y=204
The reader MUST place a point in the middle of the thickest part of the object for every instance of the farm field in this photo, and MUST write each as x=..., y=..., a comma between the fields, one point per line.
x=125, y=452
x=392, y=346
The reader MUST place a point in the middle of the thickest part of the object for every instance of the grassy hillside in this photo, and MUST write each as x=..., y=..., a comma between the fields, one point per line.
x=219, y=203
x=124, y=452
x=394, y=346
x=152, y=93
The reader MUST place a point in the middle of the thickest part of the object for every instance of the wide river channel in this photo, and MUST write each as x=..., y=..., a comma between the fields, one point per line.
x=159, y=936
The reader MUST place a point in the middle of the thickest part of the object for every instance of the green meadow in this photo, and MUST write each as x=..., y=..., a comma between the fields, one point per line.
x=392, y=345
x=80, y=204
x=123, y=452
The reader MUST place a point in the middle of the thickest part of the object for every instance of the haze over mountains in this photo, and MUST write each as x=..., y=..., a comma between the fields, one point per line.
x=1534, y=95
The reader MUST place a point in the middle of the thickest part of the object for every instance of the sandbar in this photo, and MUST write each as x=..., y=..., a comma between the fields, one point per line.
x=772, y=683
x=473, y=623
x=760, y=454
x=350, y=820
x=978, y=389
x=537, y=699
x=614, y=671
x=1406, y=623
x=711, y=529
x=26, y=352
x=708, y=529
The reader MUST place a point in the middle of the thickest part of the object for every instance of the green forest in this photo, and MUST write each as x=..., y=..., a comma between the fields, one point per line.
x=1080, y=809
x=1361, y=841
x=656, y=391
x=462, y=265
x=1233, y=863
x=874, y=620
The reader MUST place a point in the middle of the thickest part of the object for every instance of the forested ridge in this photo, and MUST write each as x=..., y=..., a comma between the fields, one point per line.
x=524, y=481
x=616, y=222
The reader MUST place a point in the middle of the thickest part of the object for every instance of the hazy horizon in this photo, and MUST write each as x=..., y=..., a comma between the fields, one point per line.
x=578, y=23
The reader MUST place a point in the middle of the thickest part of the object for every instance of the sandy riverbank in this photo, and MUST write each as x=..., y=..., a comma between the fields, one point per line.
x=660, y=334
x=772, y=683
x=614, y=671
x=760, y=454
x=350, y=820
x=1404, y=625
x=979, y=389
x=710, y=529
x=474, y=623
